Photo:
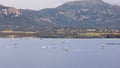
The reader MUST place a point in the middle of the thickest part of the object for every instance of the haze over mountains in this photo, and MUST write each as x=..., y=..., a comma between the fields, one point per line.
x=75, y=14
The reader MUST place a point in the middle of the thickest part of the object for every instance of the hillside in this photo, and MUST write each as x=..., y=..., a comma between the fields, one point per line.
x=75, y=14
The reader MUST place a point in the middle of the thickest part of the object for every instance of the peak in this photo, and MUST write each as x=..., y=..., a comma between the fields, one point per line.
x=92, y=0
x=84, y=3
x=78, y=2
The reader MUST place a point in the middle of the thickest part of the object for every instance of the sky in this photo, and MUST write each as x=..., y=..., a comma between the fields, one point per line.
x=40, y=4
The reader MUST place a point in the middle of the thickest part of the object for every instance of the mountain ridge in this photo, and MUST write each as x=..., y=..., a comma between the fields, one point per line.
x=74, y=14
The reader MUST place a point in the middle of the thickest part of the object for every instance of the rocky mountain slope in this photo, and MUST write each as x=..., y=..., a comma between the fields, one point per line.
x=75, y=14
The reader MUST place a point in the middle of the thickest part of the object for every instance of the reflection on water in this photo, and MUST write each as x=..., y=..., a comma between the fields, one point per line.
x=59, y=53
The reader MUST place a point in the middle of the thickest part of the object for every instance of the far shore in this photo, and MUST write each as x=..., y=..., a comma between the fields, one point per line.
x=20, y=34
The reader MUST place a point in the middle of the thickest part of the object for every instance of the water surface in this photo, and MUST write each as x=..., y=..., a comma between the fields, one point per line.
x=59, y=53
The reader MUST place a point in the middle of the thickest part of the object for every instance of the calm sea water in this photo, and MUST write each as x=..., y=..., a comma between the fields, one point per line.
x=59, y=53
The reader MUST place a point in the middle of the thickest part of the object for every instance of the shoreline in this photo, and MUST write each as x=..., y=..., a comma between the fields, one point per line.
x=85, y=35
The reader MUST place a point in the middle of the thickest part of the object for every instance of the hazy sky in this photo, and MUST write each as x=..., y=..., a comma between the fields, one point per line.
x=40, y=4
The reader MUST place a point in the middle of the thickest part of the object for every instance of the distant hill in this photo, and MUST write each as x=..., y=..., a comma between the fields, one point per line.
x=75, y=14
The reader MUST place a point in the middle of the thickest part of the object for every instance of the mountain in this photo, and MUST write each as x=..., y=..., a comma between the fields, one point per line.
x=75, y=14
